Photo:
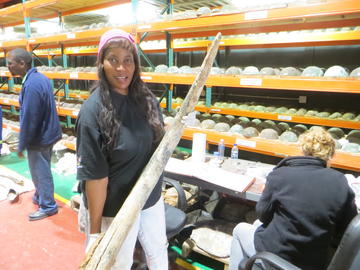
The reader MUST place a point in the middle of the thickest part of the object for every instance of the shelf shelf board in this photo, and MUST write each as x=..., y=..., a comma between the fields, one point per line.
x=69, y=145
x=14, y=128
x=341, y=159
x=68, y=112
x=278, y=117
x=73, y=38
x=13, y=44
x=321, y=84
x=299, y=14
x=71, y=75
x=9, y=102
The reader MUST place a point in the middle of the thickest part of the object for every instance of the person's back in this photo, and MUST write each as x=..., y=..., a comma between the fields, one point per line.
x=38, y=111
x=302, y=207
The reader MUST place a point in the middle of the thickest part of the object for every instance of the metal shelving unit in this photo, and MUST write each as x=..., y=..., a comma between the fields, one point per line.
x=319, y=15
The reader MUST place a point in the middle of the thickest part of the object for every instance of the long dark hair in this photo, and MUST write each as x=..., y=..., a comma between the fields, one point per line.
x=138, y=92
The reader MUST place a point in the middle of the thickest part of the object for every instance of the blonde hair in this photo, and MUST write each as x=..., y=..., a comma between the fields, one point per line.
x=317, y=142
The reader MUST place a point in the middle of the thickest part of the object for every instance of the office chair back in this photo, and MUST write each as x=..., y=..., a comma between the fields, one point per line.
x=344, y=258
x=348, y=248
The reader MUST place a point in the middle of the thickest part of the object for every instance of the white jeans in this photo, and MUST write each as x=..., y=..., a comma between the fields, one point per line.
x=242, y=245
x=149, y=228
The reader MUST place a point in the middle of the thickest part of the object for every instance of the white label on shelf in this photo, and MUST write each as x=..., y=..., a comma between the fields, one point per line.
x=145, y=26
x=251, y=81
x=74, y=75
x=3, y=73
x=75, y=113
x=32, y=40
x=254, y=15
x=246, y=143
x=6, y=101
x=75, y=50
x=70, y=35
x=285, y=117
x=78, y=96
x=146, y=77
x=222, y=42
x=215, y=110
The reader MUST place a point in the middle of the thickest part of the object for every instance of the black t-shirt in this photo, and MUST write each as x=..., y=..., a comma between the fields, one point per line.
x=129, y=157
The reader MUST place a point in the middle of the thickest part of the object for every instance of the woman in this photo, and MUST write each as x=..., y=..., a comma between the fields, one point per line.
x=118, y=128
x=304, y=207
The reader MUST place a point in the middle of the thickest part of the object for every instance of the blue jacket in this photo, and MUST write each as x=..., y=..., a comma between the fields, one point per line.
x=39, y=121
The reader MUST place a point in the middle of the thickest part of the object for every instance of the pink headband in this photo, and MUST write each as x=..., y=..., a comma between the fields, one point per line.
x=111, y=34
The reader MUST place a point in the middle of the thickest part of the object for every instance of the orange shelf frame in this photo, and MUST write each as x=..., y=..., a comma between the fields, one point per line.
x=301, y=14
x=69, y=145
x=272, y=147
x=71, y=75
x=73, y=37
x=9, y=102
x=68, y=112
x=14, y=128
x=61, y=111
x=340, y=85
x=285, y=40
x=278, y=117
x=13, y=44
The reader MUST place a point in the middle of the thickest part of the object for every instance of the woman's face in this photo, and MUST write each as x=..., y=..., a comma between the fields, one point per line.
x=119, y=67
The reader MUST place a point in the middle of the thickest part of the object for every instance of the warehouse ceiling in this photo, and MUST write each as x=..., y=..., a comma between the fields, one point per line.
x=182, y=5
x=179, y=6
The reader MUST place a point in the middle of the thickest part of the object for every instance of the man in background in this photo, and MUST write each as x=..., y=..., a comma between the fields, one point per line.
x=39, y=129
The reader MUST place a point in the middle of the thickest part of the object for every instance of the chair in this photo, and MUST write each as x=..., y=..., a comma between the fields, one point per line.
x=175, y=218
x=346, y=257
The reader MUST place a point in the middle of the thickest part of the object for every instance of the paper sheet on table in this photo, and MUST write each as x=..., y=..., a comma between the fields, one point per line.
x=210, y=174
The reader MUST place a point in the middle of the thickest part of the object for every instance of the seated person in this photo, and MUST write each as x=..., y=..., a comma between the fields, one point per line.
x=304, y=207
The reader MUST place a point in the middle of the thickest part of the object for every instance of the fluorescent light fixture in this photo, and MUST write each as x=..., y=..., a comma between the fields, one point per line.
x=124, y=13
x=46, y=27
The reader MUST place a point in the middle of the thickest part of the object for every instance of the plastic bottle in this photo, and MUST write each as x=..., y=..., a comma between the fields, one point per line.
x=221, y=149
x=217, y=160
x=234, y=152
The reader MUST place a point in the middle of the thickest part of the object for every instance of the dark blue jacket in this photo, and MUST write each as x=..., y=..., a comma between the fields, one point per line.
x=39, y=121
x=304, y=206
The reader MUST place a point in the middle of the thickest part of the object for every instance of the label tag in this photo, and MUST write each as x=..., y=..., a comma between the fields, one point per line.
x=254, y=15
x=251, y=81
x=145, y=26
x=70, y=35
x=32, y=40
x=285, y=117
x=6, y=101
x=74, y=75
x=75, y=113
x=215, y=110
x=146, y=78
x=2, y=73
x=246, y=143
